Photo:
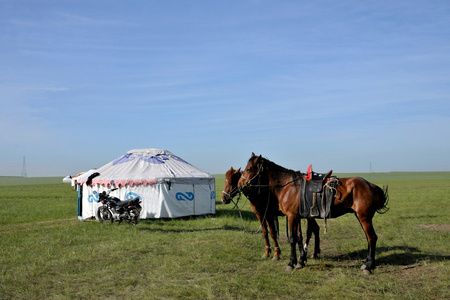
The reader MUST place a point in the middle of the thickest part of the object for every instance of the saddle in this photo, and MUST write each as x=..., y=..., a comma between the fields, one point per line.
x=317, y=180
x=313, y=194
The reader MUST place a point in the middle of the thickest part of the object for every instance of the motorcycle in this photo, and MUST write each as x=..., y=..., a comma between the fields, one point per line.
x=113, y=209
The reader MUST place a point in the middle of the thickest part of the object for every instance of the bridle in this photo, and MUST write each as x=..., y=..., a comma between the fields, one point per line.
x=238, y=190
x=232, y=194
x=258, y=174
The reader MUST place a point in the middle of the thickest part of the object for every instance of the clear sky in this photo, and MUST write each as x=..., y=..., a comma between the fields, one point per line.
x=353, y=86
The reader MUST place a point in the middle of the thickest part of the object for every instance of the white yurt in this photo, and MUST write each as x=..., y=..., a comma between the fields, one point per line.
x=168, y=186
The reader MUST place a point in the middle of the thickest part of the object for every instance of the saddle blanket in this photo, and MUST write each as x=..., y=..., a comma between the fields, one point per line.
x=323, y=201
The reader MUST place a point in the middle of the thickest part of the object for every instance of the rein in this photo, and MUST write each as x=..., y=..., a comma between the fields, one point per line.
x=242, y=219
x=237, y=202
x=239, y=191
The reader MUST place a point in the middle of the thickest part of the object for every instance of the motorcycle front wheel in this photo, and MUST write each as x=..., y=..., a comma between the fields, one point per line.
x=104, y=214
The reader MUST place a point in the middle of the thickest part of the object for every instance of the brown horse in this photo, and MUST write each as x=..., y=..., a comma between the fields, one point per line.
x=265, y=206
x=354, y=195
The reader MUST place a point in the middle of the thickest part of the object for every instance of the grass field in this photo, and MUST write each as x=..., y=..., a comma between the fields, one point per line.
x=46, y=253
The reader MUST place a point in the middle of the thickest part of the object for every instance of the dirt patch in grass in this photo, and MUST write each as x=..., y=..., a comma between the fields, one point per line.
x=411, y=274
x=426, y=278
x=442, y=227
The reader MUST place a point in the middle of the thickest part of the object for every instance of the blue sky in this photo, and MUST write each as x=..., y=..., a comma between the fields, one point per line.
x=351, y=86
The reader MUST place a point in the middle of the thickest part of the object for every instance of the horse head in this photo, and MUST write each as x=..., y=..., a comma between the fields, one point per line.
x=251, y=171
x=230, y=189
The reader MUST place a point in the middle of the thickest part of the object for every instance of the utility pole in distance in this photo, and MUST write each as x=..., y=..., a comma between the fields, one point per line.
x=24, y=168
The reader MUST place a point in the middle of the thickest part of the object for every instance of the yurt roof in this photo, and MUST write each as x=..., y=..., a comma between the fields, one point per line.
x=147, y=167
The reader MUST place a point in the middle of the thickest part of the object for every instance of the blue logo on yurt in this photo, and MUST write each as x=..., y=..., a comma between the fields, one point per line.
x=213, y=195
x=93, y=198
x=131, y=196
x=184, y=196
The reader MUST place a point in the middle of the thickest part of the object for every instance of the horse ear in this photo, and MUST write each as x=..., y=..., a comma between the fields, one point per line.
x=253, y=154
x=239, y=170
x=231, y=169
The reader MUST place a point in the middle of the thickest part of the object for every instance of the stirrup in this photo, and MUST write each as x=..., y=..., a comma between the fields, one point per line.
x=314, y=211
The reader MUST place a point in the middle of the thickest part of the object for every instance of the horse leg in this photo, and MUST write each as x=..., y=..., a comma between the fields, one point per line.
x=266, y=239
x=371, y=237
x=293, y=228
x=313, y=227
x=316, y=230
x=303, y=252
x=263, y=224
x=272, y=222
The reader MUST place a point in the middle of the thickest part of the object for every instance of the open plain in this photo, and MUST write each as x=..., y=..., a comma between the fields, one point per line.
x=46, y=253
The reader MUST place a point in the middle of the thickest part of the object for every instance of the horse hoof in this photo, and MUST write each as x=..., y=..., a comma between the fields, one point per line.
x=363, y=267
x=289, y=268
x=300, y=266
x=367, y=272
x=265, y=256
x=276, y=258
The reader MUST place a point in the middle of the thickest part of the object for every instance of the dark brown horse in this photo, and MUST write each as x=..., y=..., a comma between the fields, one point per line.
x=354, y=195
x=265, y=206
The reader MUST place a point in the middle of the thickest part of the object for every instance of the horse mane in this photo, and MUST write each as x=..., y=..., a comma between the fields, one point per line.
x=279, y=168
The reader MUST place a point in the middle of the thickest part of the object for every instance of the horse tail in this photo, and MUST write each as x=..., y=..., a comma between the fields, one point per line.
x=384, y=200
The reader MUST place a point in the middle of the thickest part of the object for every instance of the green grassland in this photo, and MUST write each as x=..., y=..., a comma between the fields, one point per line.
x=46, y=253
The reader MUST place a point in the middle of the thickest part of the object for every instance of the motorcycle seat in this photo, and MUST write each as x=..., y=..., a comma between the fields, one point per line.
x=126, y=202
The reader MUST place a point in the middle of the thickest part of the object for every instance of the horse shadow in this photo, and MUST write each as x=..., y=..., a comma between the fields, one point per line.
x=403, y=256
x=245, y=215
